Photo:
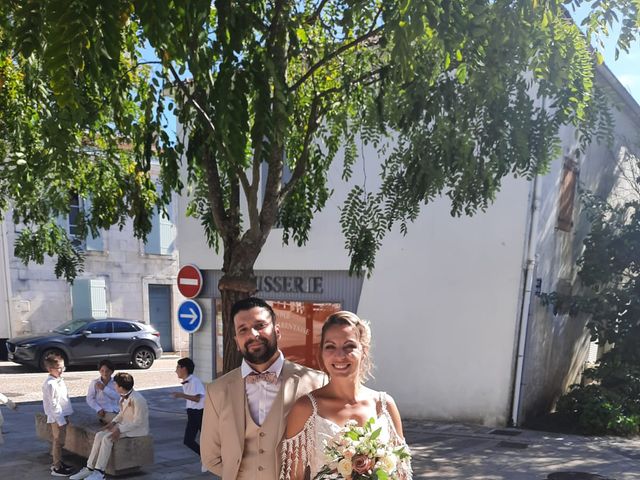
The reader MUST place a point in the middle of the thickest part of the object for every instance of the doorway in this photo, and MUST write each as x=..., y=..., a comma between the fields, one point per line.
x=160, y=314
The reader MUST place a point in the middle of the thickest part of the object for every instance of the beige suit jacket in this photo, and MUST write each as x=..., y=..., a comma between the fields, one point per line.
x=133, y=419
x=223, y=424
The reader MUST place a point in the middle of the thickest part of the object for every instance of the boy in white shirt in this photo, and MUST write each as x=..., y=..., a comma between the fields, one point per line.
x=102, y=395
x=193, y=392
x=57, y=407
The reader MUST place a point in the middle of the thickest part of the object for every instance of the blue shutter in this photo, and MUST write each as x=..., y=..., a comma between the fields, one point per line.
x=89, y=298
x=152, y=245
x=81, y=299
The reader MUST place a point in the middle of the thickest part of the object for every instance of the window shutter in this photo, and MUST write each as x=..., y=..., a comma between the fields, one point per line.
x=167, y=232
x=89, y=298
x=567, y=194
x=80, y=299
x=152, y=245
x=98, y=298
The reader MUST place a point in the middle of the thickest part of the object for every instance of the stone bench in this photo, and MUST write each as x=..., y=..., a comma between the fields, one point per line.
x=128, y=454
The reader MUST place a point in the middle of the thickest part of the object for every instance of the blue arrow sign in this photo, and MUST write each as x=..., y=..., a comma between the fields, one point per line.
x=189, y=316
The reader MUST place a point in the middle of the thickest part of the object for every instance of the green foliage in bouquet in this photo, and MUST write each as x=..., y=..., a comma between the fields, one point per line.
x=358, y=453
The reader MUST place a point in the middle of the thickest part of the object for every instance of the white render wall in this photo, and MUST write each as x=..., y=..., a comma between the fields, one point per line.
x=557, y=344
x=443, y=301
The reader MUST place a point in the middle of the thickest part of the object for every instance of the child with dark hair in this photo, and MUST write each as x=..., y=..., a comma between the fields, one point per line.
x=102, y=395
x=57, y=407
x=132, y=421
x=193, y=392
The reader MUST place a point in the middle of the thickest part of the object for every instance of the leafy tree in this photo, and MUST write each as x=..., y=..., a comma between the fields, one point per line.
x=608, y=293
x=264, y=85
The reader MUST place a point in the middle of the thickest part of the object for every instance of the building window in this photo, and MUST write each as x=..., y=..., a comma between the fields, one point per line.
x=162, y=237
x=89, y=298
x=567, y=194
x=75, y=210
x=77, y=206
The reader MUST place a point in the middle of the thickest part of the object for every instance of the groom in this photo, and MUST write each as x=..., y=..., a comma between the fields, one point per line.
x=245, y=410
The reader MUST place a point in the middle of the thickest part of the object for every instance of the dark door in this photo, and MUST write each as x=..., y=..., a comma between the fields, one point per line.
x=160, y=314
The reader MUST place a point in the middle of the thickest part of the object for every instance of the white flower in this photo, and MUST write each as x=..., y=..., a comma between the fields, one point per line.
x=388, y=463
x=344, y=467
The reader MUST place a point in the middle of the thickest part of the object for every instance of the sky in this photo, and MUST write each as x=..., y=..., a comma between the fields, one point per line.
x=627, y=67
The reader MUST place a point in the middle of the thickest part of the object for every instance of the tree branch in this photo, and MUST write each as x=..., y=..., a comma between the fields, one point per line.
x=214, y=194
x=193, y=101
x=301, y=164
x=362, y=78
x=327, y=58
x=316, y=13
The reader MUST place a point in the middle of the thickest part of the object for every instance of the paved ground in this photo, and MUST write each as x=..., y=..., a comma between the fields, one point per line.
x=441, y=450
x=24, y=384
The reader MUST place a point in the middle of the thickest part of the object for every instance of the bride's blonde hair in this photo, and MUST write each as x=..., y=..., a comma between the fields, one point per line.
x=364, y=337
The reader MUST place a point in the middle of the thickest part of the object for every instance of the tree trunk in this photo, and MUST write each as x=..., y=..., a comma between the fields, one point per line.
x=232, y=290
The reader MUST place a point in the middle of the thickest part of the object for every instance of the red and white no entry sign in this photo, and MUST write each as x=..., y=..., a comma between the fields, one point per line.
x=189, y=281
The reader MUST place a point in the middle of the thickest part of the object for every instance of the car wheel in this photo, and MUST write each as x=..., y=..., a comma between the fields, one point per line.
x=143, y=358
x=46, y=353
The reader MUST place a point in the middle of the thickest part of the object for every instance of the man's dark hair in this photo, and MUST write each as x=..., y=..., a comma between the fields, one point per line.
x=106, y=363
x=124, y=380
x=187, y=363
x=248, y=304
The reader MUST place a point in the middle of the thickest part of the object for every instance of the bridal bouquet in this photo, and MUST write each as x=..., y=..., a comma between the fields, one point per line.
x=358, y=453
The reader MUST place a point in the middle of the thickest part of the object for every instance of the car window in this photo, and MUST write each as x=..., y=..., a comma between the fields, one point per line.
x=70, y=327
x=99, y=327
x=124, y=327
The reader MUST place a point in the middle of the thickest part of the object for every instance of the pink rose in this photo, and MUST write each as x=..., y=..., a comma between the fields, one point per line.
x=361, y=463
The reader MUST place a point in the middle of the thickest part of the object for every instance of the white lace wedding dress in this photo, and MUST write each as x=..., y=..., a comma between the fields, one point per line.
x=308, y=444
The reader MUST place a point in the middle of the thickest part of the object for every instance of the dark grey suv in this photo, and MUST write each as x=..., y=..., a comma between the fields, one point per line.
x=88, y=342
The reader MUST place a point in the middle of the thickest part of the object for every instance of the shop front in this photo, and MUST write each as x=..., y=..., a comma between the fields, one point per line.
x=302, y=300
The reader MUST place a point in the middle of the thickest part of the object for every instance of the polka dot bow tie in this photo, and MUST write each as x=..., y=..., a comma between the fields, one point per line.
x=268, y=377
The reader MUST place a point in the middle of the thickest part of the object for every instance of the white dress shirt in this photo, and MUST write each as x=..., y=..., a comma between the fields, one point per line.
x=55, y=400
x=106, y=399
x=261, y=395
x=193, y=386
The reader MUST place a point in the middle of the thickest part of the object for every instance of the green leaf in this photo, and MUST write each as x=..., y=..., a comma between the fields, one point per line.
x=381, y=475
x=461, y=72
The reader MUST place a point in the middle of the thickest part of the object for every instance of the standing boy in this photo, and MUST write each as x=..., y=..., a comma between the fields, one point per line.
x=193, y=392
x=102, y=395
x=132, y=421
x=57, y=407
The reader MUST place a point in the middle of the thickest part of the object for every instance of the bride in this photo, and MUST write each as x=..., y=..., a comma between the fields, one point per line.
x=318, y=416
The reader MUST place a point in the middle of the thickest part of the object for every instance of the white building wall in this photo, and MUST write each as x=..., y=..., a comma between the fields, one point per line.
x=558, y=344
x=442, y=301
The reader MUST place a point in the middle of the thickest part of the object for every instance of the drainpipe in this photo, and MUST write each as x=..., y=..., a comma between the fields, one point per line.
x=7, y=277
x=530, y=264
